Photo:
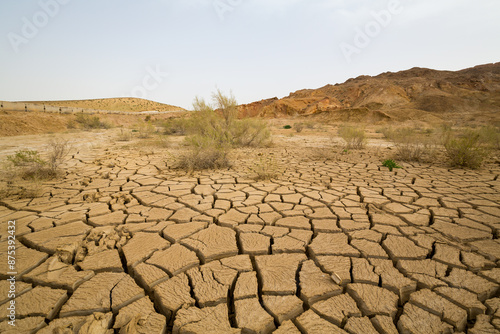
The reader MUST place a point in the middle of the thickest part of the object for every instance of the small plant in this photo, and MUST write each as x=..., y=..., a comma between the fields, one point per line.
x=354, y=137
x=287, y=127
x=26, y=158
x=391, y=164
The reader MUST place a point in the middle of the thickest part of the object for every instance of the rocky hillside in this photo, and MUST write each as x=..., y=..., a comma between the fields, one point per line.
x=417, y=94
x=116, y=104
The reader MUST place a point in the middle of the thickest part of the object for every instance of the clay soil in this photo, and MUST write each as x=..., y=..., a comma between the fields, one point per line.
x=334, y=242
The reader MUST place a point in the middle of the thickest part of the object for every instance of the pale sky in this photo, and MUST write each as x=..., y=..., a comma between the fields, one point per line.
x=173, y=50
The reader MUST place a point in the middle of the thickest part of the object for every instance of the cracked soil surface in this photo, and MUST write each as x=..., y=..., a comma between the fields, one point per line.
x=123, y=243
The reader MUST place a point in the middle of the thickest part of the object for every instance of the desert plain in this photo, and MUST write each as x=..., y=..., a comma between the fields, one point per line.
x=300, y=236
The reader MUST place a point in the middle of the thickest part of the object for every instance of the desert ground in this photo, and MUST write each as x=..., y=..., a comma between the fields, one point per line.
x=302, y=236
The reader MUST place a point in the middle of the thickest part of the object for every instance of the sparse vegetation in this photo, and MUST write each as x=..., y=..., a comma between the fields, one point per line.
x=89, y=122
x=491, y=136
x=464, y=149
x=212, y=132
x=412, y=144
x=391, y=164
x=354, y=137
x=25, y=170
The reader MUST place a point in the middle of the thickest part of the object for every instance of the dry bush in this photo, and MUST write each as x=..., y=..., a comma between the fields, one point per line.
x=464, y=149
x=266, y=169
x=145, y=130
x=226, y=130
x=211, y=133
x=201, y=158
x=322, y=154
x=250, y=133
x=28, y=164
x=226, y=105
x=58, y=150
x=24, y=171
x=412, y=144
x=388, y=132
x=175, y=126
x=491, y=136
x=89, y=122
x=124, y=135
x=161, y=141
x=24, y=190
x=354, y=137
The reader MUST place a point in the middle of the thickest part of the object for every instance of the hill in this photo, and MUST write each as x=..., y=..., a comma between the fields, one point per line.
x=470, y=95
x=116, y=104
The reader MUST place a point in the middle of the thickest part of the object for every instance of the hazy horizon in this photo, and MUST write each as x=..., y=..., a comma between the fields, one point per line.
x=172, y=51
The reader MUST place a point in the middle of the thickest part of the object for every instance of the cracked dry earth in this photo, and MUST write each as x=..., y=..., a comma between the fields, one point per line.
x=124, y=244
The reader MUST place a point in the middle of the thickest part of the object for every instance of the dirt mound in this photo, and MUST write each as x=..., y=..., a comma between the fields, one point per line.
x=115, y=104
x=468, y=95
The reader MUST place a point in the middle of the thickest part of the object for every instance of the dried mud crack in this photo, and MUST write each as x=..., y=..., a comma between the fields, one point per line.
x=326, y=247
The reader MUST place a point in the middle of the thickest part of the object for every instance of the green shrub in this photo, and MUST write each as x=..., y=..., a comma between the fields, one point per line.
x=175, y=126
x=250, y=133
x=211, y=133
x=464, y=149
x=208, y=125
x=25, y=158
x=354, y=137
x=287, y=127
